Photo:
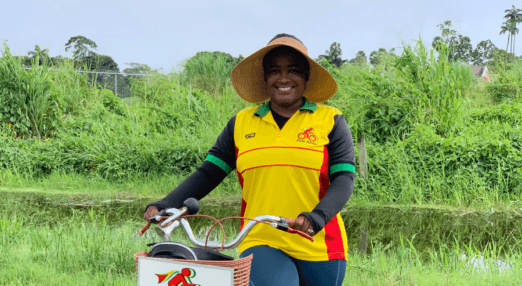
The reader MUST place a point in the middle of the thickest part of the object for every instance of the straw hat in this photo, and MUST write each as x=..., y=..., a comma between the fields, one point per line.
x=249, y=81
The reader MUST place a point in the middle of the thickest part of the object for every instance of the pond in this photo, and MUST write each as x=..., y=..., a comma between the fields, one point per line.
x=425, y=228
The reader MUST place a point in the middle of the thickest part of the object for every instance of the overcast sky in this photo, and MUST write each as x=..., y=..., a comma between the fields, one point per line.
x=162, y=34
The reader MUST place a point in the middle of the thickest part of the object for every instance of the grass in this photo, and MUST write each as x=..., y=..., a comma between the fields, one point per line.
x=86, y=247
x=155, y=187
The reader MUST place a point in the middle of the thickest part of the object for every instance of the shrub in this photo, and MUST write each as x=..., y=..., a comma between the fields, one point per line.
x=29, y=102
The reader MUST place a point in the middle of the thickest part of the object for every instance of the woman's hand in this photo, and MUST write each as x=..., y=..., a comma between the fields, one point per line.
x=303, y=224
x=151, y=211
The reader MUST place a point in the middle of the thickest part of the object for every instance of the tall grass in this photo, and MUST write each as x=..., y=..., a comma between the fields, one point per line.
x=29, y=104
x=416, y=87
x=208, y=71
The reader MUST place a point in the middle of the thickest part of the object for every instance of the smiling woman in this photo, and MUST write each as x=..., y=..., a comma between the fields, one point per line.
x=294, y=158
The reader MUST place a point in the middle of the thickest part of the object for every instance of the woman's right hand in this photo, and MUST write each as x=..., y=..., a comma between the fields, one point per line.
x=151, y=211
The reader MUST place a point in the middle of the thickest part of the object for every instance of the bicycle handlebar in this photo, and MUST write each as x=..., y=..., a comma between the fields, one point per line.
x=280, y=223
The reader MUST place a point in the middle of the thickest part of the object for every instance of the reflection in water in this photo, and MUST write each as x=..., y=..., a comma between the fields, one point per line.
x=426, y=229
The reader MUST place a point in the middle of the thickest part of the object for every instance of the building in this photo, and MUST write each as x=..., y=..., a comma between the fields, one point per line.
x=481, y=72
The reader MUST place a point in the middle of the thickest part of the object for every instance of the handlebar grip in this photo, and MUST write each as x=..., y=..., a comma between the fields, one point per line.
x=291, y=230
x=291, y=223
x=145, y=228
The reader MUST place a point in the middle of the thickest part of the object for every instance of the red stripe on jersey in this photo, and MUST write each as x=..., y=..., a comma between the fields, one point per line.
x=272, y=147
x=333, y=240
x=243, y=207
x=243, y=203
x=239, y=174
x=279, y=165
x=324, y=181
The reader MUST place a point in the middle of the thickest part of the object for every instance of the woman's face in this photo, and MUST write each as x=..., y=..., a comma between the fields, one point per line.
x=285, y=80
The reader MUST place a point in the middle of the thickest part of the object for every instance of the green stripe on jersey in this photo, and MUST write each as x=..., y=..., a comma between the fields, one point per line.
x=220, y=163
x=342, y=167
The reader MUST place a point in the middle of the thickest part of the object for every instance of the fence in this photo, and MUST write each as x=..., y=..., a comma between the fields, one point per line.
x=117, y=82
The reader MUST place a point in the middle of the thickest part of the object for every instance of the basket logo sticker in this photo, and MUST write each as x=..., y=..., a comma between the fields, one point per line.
x=307, y=136
x=176, y=278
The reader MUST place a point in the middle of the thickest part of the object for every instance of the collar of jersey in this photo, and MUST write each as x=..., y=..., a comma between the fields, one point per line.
x=265, y=108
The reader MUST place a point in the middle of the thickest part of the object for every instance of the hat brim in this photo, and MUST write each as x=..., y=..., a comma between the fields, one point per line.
x=249, y=81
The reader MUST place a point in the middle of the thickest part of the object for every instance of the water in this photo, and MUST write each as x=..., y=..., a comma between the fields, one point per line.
x=425, y=228
x=434, y=228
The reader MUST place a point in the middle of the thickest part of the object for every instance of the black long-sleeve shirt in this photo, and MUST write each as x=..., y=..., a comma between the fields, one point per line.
x=208, y=175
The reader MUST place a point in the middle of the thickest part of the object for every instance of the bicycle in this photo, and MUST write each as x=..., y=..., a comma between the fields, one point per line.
x=307, y=134
x=178, y=264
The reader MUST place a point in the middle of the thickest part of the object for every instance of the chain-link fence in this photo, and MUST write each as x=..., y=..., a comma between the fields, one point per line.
x=119, y=83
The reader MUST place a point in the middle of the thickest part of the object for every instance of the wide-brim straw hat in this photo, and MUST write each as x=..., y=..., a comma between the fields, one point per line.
x=248, y=77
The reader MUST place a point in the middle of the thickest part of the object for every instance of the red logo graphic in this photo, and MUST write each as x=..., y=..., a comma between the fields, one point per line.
x=307, y=134
x=178, y=279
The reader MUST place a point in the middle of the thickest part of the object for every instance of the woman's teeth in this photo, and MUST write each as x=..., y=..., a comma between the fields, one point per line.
x=285, y=88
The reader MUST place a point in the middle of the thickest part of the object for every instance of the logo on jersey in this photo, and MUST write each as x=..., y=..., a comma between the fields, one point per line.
x=307, y=136
x=250, y=135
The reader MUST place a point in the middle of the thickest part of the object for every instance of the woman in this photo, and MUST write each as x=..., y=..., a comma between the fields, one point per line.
x=294, y=158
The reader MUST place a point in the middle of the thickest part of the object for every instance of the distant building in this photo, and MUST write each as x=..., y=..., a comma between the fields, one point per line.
x=481, y=72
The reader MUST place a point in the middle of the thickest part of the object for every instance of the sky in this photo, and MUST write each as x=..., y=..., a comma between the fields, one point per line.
x=162, y=34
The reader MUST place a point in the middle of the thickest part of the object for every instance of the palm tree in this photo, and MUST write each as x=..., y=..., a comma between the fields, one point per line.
x=333, y=55
x=503, y=29
x=43, y=54
x=514, y=16
x=514, y=31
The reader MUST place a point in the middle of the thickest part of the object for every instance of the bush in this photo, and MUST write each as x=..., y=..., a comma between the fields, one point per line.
x=507, y=85
x=29, y=102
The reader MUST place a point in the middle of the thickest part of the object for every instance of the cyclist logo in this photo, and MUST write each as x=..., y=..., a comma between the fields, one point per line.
x=307, y=136
x=178, y=278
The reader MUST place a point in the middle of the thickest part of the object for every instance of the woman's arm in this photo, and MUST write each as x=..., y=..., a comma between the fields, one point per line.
x=208, y=176
x=342, y=175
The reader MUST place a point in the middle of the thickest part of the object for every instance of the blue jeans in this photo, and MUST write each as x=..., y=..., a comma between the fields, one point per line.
x=272, y=267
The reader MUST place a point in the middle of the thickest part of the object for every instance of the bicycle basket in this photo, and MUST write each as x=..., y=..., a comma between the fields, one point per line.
x=241, y=266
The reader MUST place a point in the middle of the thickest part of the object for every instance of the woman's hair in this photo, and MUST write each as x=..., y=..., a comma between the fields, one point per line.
x=267, y=59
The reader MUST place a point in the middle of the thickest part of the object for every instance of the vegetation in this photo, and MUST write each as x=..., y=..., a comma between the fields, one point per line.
x=436, y=139
x=426, y=142
x=333, y=55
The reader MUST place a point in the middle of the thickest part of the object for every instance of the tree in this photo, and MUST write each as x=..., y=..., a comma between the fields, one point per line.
x=43, y=55
x=376, y=57
x=483, y=52
x=80, y=46
x=136, y=68
x=459, y=47
x=462, y=49
x=380, y=56
x=498, y=56
x=333, y=55
x=503, y=29
x=101, y=63
x=513, y=16
x=360, y=58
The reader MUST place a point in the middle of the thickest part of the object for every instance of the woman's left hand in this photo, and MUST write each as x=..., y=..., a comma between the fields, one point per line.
x=303, y=224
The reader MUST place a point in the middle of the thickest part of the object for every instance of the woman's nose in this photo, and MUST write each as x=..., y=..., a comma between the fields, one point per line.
x=285, y=75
